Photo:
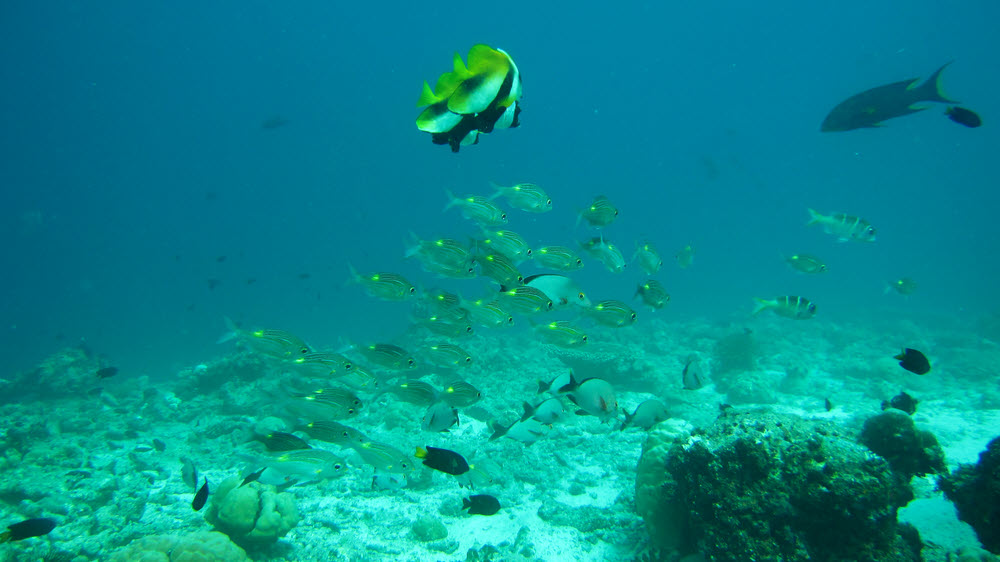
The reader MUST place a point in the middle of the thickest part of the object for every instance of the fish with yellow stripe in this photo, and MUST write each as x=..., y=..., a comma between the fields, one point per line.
x=471, y=99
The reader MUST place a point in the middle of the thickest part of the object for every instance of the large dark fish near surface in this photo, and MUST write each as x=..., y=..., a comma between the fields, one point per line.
x=871, y=107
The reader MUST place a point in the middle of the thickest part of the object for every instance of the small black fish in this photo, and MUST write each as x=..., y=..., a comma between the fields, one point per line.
x=253, y=477
x=903, y=402
x=828, y=404
x=27, y=529
x=304, y=276
x=963, y=116
x=213, y=283
x=107, y=372
x=444, y=460
x=481, y=505
x=201, y=497
x=160, y=446
x=914, y=361
x=220, y=259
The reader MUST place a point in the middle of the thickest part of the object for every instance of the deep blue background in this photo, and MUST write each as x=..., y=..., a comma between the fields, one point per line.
x=133, y=158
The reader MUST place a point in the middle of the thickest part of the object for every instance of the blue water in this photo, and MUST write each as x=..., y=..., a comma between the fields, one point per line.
x=133, y=159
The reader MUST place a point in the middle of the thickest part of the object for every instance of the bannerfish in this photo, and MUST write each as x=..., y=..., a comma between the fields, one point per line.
x=844, y=227
x=963, y=116
x=481, y=505
x=36, y=527
x=798, y=308
x=560, y=289
x=914, y=361
x=444, y=460
x=201, y=497
x=472, y=99
x=871, y=107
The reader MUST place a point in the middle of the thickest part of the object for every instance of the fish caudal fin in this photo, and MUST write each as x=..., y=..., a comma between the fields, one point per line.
x=931, y=90
x=814, y=217
x=760, y=305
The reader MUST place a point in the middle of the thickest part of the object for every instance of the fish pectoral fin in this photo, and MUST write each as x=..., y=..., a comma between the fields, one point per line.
x=582, y=413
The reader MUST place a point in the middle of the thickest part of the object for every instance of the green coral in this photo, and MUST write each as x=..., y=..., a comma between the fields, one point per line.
x=203, y=546
x=253, y=513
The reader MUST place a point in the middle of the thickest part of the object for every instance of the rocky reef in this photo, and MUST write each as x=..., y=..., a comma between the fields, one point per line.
x=764, y=486
x=975, y=491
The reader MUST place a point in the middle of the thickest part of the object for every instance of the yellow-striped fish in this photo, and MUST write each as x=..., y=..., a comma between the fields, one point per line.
x=525, y=196
x=478, y=209
x=600, y=213
x=383, y=285
x=558, y=257
x=653, y=294
x=613, y=313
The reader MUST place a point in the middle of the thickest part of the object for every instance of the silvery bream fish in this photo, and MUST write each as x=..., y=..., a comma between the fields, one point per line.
x=477, y=209
x=593, y=396
x=646, y=415
x=806, y=263
x=844, y=227
x=600, y=213
x=653, y=293
x=383, y=285
x=871, y=107
x=524, y=196
x=613, y=313
x=798, y=308
x=607, y=253
x=560, y=289
x=649, y=259
x=439, y=417
x=559, y=258
x=547, y=411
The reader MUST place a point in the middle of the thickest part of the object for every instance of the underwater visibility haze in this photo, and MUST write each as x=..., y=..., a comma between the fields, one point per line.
x=553, y=282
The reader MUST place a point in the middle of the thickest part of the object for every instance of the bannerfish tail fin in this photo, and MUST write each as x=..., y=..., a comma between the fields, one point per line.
x=931, y=89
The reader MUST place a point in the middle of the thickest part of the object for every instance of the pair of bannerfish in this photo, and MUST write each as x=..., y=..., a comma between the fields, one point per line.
x=472, y=99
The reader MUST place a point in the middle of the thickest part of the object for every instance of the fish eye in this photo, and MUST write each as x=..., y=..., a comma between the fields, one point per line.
x=548, y=202
x=348, y=366
x=411, y=362
x=337, y=467
x=527, y=252
x=812, y=308
x=413, y=290
x=503, y=216
x=579, y=262
x=350, y=411
x=584, y=338
x=633, y=316
x=510, y=319
x=581, y=296
x=468, y=330
x=468, y=360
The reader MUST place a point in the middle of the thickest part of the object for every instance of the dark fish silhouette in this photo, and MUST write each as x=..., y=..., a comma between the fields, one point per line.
x=253, y=477
x=273, y=122
x=107, y=372
x=963, y=116
x=903, y=402
x=914, y=361
x=481, y=505
x=160, y=446
x=201, y=497
x=27, y=529
x=444, y=460
x=871, y=107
